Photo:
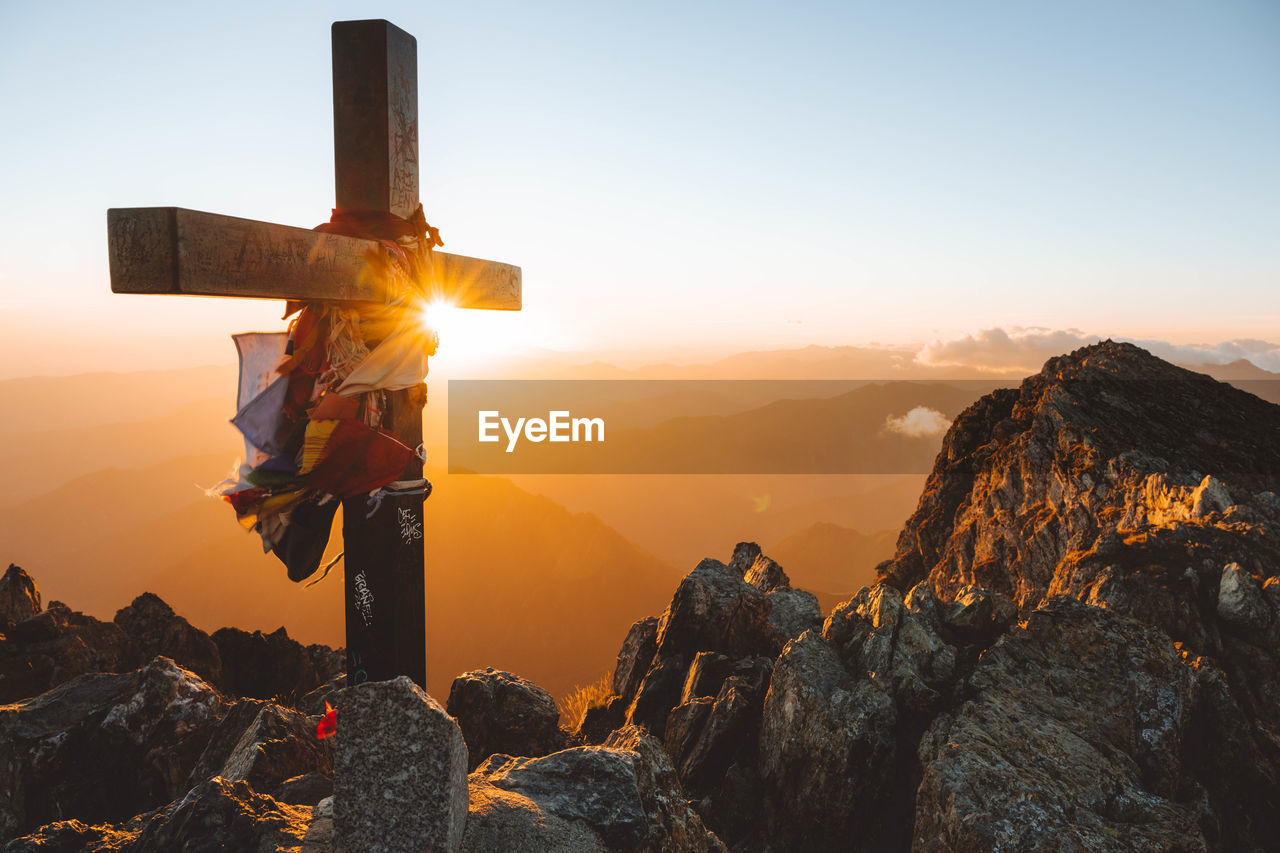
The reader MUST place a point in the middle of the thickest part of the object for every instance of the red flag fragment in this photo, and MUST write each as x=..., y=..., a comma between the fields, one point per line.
x=328, y=725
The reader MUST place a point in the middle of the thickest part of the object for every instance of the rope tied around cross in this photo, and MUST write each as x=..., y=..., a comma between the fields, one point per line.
x=312, y=404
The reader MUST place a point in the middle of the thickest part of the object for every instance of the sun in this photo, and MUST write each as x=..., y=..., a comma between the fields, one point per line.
x=470, y=339
x=440, y=315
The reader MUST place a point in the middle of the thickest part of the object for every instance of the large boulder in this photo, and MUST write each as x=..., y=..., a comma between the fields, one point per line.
x=711, y=731
x=19, y=597
x=156, y=630
x=501, y=712
x=401, y=771
x=513, y=823
x=220, y=815
x=1074, y=741
x=620, y=797
x=827, y=751
x=587, y=784
x=1240, y=601
x=714, y=609
x=103, y=748
x=265, y=745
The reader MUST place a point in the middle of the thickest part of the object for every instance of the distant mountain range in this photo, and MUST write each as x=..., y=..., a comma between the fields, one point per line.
x=513, y=579
x=835, y=559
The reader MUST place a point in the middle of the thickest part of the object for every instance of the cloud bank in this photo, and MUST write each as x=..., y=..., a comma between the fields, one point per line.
x=918, y=423
x=1028, y=349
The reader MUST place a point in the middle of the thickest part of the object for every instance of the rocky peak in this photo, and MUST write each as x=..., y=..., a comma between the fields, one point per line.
x=155, y=629
x=1101, y=444
x=19, y=596
x=1149, y=493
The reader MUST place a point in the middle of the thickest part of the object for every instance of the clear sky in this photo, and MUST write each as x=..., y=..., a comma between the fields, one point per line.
x=747, y=175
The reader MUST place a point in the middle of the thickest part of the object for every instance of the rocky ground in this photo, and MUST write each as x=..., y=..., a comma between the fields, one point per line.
x=1075, y=647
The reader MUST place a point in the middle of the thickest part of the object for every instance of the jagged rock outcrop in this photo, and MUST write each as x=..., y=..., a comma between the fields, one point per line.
x=503, y=713
x=1128, y=484
x=1117, y=502
x=156, y=630
x=1101, y=444
x=744, y=610
x=696, y=679
x=272, y=666
x=845, y=709
x=19, y=597
x=103, y=748
x=42, y=649
x=97, y=736
x=56, y=645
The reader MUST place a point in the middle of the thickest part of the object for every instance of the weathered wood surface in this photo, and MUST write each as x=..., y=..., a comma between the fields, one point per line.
x=375, y=117
x=179, y=251
x=375, y=144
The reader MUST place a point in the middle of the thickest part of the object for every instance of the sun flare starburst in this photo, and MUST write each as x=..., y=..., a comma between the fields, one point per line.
x=439, y=314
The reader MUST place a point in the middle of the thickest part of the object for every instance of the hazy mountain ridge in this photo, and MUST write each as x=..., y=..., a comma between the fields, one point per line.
x=834, y=559
x=491, y=547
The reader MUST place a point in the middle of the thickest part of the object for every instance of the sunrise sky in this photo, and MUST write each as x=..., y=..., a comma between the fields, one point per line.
x=677, y=175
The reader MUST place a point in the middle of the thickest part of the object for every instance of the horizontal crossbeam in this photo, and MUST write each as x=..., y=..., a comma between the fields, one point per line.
x=179, y=251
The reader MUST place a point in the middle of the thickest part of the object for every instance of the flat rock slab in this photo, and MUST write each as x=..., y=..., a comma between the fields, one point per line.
x=401, y=771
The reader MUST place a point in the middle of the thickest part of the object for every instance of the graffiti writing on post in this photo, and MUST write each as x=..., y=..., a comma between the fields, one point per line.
x=410, y=525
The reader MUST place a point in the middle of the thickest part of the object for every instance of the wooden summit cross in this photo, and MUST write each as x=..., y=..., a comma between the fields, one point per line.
x=171, y=250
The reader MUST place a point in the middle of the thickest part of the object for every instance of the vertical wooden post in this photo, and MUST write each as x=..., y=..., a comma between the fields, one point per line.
x=375, y=117
x=375, y=136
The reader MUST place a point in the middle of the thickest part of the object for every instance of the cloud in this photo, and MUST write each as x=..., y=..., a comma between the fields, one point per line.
x=918, y=423
x=1263, y=354
x=1028, y=349
x=997, y=349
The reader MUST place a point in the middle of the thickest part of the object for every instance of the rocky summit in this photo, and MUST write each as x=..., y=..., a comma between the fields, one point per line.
x=1076, y=646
